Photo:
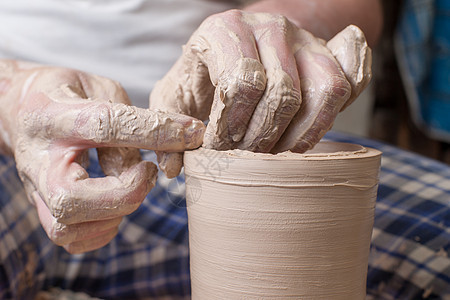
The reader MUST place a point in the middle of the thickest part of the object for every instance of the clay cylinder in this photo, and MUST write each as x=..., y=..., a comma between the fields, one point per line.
x=285, y=226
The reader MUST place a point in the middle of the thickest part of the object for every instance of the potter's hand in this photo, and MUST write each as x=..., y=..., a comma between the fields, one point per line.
x=62, y=113
x=266, y=85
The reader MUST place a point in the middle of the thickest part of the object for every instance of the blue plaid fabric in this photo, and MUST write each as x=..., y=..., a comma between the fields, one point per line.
x=149, y=257
x=423, y=52
x=410, y=249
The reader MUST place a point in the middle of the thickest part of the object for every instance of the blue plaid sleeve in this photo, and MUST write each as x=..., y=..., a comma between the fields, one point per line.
x=149, y=257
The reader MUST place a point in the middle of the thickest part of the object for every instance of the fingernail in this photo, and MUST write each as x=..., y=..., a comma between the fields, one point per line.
x=193, y=134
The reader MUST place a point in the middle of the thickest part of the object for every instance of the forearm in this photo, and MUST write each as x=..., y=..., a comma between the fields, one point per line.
x=325, y=18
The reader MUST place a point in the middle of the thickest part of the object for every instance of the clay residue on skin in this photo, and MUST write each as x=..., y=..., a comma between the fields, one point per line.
x=234, y=102
x=281, y=226
x=357, y=68
x=170, y=163
x=257, y=19
x=278, y=122
x=270, y=106
x=267, y=85
x=325, y=91
x=111, y=123
x=273, y=113
x=61, y=114
x=114, y=161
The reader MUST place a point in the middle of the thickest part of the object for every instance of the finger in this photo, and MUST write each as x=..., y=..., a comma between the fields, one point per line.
x=114, y=161
x=350, y=49
x=226, y=46
x=62, y=234
x=281, y=99
x=235, y=99
x=96, y=124
x=324, y=91
x=91, y=244
x=72, y=199
x=104, y=123
x=170, y=163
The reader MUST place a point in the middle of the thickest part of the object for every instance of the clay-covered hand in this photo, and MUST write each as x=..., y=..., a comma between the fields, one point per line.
x=61, y=113
x=265, y=84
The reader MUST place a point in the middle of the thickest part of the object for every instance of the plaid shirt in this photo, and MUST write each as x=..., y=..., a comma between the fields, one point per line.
x=149, y=257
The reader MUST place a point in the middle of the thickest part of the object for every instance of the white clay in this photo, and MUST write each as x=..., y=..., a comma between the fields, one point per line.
x=285, y=226
x=357, y=68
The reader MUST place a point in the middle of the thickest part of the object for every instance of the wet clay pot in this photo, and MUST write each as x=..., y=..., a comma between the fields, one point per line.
x=285, y=226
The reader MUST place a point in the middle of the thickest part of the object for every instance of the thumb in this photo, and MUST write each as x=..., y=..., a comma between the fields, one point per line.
x=350, y=49
x=104, y=124
x=170, y=163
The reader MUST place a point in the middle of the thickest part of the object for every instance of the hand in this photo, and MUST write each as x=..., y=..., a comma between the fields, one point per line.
x=60, y=114
x=265, y=84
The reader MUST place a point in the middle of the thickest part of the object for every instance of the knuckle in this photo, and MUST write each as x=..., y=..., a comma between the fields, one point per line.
x=209, y=22
x=35, y=121
x=283, y=23
x=337, y=86
x=224, y=19
x=286, y=98
x=247, y=79
x=277, y=25
x=60, y=204
x=290, y=102
x=231, y=15
x=331, y=87
x=95, y=123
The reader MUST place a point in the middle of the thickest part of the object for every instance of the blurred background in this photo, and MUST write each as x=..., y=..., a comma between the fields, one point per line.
x=407, y=103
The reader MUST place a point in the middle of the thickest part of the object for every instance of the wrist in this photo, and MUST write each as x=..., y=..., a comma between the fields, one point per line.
x=324, y=19
x=13, y=78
